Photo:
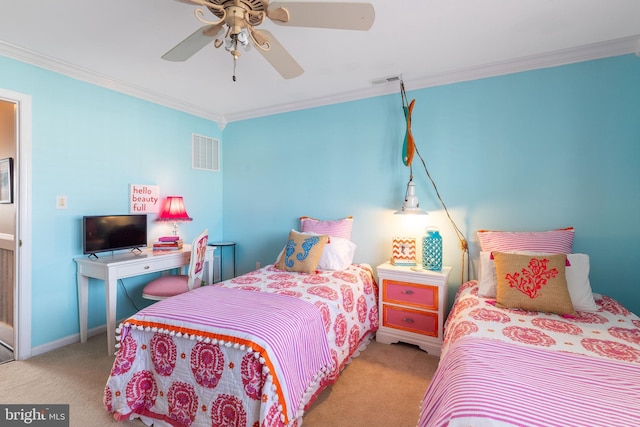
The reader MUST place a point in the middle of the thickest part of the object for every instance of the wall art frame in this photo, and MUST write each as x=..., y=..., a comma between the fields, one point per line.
x=404, y=251
x=6, y=180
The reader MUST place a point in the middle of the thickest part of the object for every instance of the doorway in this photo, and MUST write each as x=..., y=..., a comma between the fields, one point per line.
x=15, y=226
x=8, y=152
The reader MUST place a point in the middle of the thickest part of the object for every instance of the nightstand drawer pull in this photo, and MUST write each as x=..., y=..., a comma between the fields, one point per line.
x=146, y=267
x=408, y=320
x=407, y=292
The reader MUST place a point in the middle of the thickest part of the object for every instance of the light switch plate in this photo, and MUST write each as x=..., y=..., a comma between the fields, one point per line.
x=61, y=202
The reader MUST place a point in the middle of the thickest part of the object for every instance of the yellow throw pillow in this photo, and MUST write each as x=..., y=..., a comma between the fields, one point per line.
x=302, y=252
x=533, y=282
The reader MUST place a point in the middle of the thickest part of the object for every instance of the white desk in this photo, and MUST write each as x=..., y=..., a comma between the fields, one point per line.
x=110, y=268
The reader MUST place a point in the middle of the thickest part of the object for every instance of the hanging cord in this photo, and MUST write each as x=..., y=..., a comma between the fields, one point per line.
x=127, y=294
x=459, y=234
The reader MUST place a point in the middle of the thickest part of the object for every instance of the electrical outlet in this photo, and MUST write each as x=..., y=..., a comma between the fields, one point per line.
x=61, y=202
x=257, y=265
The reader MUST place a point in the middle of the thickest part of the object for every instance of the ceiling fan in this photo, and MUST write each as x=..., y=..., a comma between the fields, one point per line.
x=238, y=19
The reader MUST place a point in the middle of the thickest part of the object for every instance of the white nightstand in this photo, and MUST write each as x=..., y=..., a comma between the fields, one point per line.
x=412, y=306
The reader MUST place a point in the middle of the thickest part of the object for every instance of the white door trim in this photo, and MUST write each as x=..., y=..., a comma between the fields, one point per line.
x=22, y=303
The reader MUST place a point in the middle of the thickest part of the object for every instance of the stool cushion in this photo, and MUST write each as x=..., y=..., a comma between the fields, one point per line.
x=167, y=286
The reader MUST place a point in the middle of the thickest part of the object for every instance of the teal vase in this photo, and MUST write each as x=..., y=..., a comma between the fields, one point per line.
x=432, y=250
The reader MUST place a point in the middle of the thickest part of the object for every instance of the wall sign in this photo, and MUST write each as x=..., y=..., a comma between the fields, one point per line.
x=144, y=198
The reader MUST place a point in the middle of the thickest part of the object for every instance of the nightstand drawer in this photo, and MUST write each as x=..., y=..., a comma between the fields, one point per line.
x=410, y=320
x=423, y=296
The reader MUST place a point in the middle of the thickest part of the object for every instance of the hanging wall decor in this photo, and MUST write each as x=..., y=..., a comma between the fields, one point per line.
x=6, y=180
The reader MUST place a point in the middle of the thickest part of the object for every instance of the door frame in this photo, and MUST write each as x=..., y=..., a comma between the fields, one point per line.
x=22, y=266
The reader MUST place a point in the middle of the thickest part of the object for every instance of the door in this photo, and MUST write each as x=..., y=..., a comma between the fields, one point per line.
x=15, y=224
x=8, y=150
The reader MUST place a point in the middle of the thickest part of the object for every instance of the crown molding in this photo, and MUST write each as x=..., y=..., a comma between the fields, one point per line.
x=600, y=50
x=594, y=51
x=90, y=76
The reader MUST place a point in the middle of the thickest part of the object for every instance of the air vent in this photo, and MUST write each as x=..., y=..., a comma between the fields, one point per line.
x=205, y=153
x=385, y=80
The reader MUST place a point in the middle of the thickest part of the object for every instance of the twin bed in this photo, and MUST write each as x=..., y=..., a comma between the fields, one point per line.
x=502, y=367
x=524, y=366
x=255, y=350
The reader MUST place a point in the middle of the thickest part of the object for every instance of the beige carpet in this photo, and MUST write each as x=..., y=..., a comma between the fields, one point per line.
x=382, y=387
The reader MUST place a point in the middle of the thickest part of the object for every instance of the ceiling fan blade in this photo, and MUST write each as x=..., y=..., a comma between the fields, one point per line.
x=192, y=44
x=344, y=16
x=279, y=58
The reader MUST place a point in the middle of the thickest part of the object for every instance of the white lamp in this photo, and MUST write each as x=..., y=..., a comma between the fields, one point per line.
x=411, y=206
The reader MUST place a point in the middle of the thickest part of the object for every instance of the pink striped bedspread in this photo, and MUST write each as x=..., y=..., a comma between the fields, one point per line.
x=254, y=350
x=514, y=368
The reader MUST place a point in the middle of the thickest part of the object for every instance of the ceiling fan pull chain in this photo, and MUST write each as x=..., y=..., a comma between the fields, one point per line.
x=234, y=68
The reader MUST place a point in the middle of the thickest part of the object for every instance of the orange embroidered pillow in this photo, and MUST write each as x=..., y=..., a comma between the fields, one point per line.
x=533, y=282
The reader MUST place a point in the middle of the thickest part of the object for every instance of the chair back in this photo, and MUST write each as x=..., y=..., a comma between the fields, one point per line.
x=196, y=264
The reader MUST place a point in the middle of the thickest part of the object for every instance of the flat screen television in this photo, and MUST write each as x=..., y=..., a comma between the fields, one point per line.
x=104, y=233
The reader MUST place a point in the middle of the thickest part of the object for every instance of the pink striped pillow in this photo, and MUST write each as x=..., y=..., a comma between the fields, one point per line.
x=558, y=241
x=336, y=228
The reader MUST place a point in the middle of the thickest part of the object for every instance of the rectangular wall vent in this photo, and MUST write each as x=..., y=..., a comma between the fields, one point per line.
x=385, y=80
x=205, y=153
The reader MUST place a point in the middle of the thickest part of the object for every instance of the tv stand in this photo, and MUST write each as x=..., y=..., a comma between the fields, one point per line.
x=94, y=255
x=113, y=267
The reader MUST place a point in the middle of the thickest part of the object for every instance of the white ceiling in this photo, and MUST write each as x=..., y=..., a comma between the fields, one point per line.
x=118, y=44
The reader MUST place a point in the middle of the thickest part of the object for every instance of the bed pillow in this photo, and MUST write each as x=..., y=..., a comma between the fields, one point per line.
x=302, y=252
x=337, y=254
x=334, y=228
x=576, y=273
x=533, y=283
x=558, y=241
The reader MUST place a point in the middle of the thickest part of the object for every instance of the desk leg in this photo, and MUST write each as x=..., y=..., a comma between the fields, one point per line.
x=111, y=293
x=83, y=305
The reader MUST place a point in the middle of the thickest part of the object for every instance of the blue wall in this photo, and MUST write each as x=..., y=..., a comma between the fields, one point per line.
x=529, y=151
x=534, y=150
x=90, y=144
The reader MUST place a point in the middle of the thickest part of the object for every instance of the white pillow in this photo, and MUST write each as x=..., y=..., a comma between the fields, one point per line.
x=337, y=254
x=577, y=275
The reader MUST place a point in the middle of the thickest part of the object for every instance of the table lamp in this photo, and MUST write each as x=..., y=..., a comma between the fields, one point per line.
x=173, y=210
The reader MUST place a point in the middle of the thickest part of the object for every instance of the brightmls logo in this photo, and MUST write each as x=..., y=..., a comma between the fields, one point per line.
x=34, y=415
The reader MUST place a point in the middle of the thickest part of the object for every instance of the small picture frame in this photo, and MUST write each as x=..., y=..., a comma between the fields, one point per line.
x=404, y=251
x=6, y=180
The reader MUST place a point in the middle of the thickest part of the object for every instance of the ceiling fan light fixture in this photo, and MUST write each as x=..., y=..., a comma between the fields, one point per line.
x=239, y=19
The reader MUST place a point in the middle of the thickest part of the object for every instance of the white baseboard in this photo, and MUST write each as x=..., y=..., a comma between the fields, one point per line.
x=71, y=339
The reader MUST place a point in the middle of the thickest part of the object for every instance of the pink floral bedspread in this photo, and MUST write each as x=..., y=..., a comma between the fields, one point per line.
x=612, y=332
x=516, y=368
x=254, y=350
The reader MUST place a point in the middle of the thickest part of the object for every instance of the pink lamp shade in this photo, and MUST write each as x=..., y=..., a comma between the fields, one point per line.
x=173, y=210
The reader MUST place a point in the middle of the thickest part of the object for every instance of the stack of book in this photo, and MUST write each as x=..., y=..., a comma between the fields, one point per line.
x=168, y=243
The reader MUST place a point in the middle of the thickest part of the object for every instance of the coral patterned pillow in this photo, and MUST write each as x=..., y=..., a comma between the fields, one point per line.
x=533, y=283
x=302, y=252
